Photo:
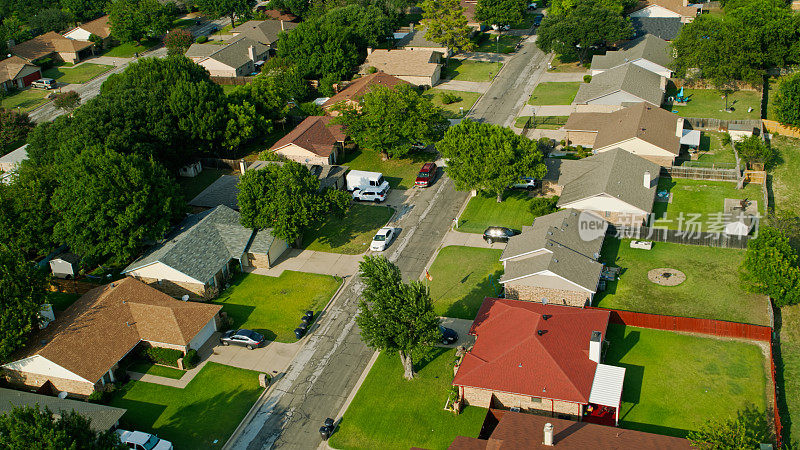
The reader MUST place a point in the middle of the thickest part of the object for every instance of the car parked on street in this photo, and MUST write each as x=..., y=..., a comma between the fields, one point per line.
x=376, y=195
x=498, y=234
x=243, y=337
x=426, y=175
x=449, y=335
x=383, y=238
x=139, y=440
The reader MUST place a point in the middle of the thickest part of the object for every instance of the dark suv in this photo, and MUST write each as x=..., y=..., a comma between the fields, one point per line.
x=498, y=234
x=426, y=175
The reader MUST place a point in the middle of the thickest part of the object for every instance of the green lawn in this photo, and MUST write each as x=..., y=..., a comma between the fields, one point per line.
x=462, y=278
x=25, y=100
x=711, y=290
x=129, y=49
x=706, y=198
x=488, y=43
x=389, y=412
x=786, y=175
x=710, y=104
x=61, y=300
x=273, y=306
x=225, y=30
x=401, y=173
x=184, y=23
x=465, y=70
x=561, y=64
x=78, y=74
x=554, y=93
x=483, y=211
x=675, y=382
x=542, y=122
x=228, y=88
x=455, y=110
x=350, y=235
x=152, y=369
x=190, y=187
x=202, y=415
x=713, y=152
x=788, y=372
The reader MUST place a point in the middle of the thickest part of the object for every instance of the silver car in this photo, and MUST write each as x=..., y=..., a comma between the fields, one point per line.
x=243, y=337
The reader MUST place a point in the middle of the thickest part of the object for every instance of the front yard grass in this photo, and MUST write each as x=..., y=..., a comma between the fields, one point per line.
x=711, y=104
x=554, y=93
x=462, y=278
x=700, y=199
x=401, y=173
x=350, y=235
x=786, y=175
x=483, y=211
x=466, y=70
x=562, y=64
x=389, y=412
x=273, y=306
x=202, y=415
x=455, y=110
x=61, y=300
x=488, y=43
x=78, y=74
x=711, y=290
x=129, y=49
x=152, y=369
x=788, y=373
x=192, y=186
x=675, y=382
x=25, y=100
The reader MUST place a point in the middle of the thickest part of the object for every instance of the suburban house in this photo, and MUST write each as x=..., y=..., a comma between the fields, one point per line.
x=681, y=9
x=98, y=27
x=225, y=190
x=80, y=350
x=642, y=129
x=17, y=73
x=200, y=255
x=649, y=52
x=666, y=28
x=314, y=141
x=102, y=417
x=622, y=85
x=508, y=430
x=413, y=38
x=552, y=262
x=241, y=57
x=542, y=359
x=274, y=14
x=52, y=45
x=419, y=67
x=615, y=184
x=265, y=32
x=11, y=161
x=352, y=94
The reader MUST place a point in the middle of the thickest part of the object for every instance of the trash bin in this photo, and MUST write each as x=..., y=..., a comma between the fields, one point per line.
x=329, y=423
x=299, y=332
x=325, y=432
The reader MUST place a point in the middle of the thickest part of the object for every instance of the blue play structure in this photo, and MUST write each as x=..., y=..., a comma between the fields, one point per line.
x=680, y=98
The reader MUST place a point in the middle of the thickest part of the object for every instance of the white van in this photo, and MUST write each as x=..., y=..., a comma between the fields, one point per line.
x=359, y=179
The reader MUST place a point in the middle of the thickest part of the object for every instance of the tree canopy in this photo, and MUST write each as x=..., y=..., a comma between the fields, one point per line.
x=23, y=291
x=748, y=429
x=26, y=216
x=753, y=150
x=501, y=12
x=319, y=48
x=178, y=41
x=14, y=126
x=395, y=316
x=233, y=9
x=135, y=20
x=564, y=6
x=391, y=120
x=787, y=101
x=770, y=267
x=68, y=430
x=446, y=24
x=489, y=157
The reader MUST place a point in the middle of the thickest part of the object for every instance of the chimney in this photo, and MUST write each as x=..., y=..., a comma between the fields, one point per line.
x=369, y=51
x=251, y=51
x=646, y=179
x=284, y=29
x=412, y=27
x=594, y=346
x=548, y=434
x=242, y=166
x=679, y=128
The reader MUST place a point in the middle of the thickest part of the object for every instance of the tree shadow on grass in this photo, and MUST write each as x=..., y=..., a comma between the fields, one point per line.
x=467, y=307
x=337, y=232
x=139, y=416
x=428, y=357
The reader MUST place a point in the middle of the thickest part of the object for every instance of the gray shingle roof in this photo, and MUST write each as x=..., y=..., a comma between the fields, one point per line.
x=236, y=53
x=263, y=31
x=572, y=266
x=648, y=47
x=666, y=28
x=615, y=172
x=262, y=241
x=629, y=78
x=102, y=417
x=416, y=38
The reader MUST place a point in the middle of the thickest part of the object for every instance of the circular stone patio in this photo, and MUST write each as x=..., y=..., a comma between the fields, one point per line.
x=666, y=276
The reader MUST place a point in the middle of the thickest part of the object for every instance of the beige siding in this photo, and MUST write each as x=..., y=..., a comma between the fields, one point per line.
x=421, y=81
x=218, y=69
x=177, y=288
x=277, y=249
x=642, y=148
x=160, y=271
x=303, y=156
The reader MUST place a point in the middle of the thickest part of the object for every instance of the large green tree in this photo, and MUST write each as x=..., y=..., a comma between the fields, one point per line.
x=271, y=91
x=501, y=12
x=26, y=215
x=135, y=20
x=787, y=101
x=321, y=48
x=770, y=267
x=489, y=157
x=111, y=205
x=748, y=429
x=84, y=10
x=52, y=19
x=25, y=425
x=565, y=6
x=370, y=25
x=391, y=120
x=395, y=316
x=14, y=126
x=286, y=198
x=577, y=31
x=234, y=9
x=753, y=150
x=178, y=41
x=23, y=288
x=446, y=24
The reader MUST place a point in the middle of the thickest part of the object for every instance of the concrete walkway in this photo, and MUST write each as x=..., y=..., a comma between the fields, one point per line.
x=466, y=86
x=312, y=262
x=460, y=326
x=468, y=240
x=484, y=56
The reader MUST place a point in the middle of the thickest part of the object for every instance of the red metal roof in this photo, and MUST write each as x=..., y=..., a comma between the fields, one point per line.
x=510, y=356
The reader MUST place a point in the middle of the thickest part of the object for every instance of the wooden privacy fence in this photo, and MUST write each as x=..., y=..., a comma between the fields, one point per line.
x=220, y=163
x=701, y=173
x=232, y=81
x=776, y=127
x=704, y=123
x=71, y=286
x=685, y=237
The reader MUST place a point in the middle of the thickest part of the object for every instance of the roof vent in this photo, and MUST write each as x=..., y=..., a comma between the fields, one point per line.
x=520, y=365
x=544, y=300
x=541, y=332
x=546, y=316
x=550, y=233
x=555, y=259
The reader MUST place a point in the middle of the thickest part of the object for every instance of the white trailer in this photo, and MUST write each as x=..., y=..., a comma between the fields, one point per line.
x=359, y=179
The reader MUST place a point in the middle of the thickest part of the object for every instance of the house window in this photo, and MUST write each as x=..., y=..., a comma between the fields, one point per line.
x=536, y=400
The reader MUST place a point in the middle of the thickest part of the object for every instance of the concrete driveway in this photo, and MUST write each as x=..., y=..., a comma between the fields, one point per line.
x=460, y=326
x=273, y=358
x=312, y=262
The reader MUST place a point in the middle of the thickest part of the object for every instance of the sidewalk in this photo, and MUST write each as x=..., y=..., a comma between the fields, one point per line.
x=312, y=262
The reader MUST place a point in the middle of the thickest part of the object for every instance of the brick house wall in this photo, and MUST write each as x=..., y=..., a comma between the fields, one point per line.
x=35, y=381
x=622, y=218
x=484, y=398
x=259, y=260
x=517, y=291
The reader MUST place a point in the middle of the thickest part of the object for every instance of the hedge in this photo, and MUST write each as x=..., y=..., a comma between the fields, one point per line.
x=190, y=360
x=165, y=356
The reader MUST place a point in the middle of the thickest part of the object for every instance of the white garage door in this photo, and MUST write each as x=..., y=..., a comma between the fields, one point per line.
x=203, y=335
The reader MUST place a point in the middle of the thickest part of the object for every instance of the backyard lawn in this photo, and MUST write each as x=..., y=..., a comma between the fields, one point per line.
x=61, y=300
x=788, y=372
x=77, y=74
x=389, y=412
x=351, y=234
x=401, y=173
x=710, y=104
x=554, y=93
x=786, y=175
x=711, y=290
x=462, y=278
x=129, y=49
x=483, y=211
x=543, y=122
x=152, y=369
x=25, y=100
x=699, y=200
x=488, y=43
x=455, y=110
x=191, y=186
x=713, y=152
x=273, y=306
x=465, y=70
x=202, y=415
x=675, y=382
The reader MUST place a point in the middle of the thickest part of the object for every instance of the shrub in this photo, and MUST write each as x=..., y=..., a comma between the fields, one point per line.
x=201, y=39
x=541, y=206
x=372, y=69
x=587, y=78
x=190, y=360
x=165, y=356
x=563, y=142
x=269, y=155
x=754, y=150
x=449, y=98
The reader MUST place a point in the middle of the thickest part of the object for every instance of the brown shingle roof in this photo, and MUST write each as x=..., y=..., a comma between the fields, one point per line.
x=98, y=27
x=314, y=134
x=263, y=31
x=275, y=14
x=43, y=45
x=11, y=67
x=672, y=5
x=355, y=90
x=107, y=322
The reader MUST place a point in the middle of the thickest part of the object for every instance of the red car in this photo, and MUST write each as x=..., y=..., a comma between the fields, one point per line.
x=426, y=175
